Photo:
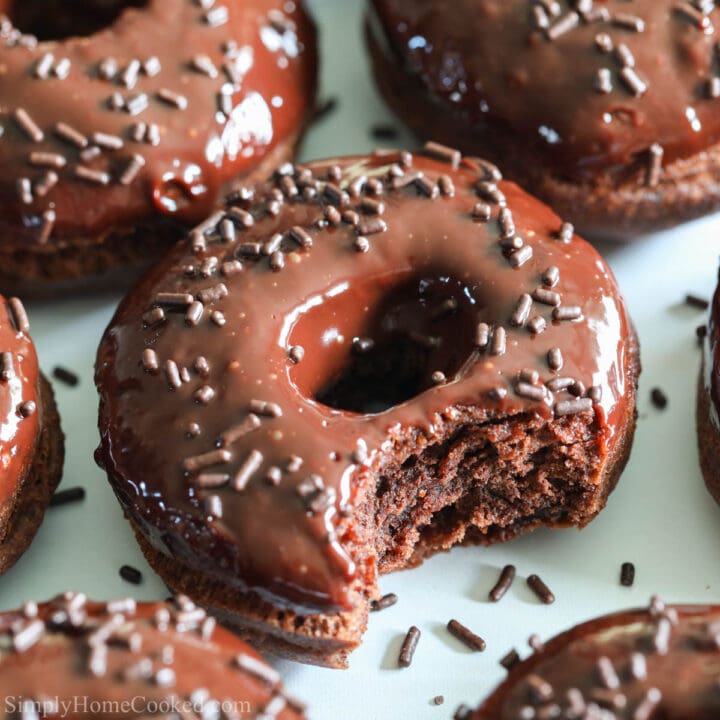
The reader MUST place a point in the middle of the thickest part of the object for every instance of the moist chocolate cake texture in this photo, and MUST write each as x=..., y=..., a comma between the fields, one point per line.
x=120, y=122
x=605, y=110
x=31, y=441
x=360, y=363
x=659, y=662
x=122, y=659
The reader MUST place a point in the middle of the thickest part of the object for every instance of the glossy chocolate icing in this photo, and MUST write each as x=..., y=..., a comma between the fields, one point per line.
x=288, y=534
x=261, y=53
x=640, y=665
x=488, y=62
x=124, y=659
x=18, y=434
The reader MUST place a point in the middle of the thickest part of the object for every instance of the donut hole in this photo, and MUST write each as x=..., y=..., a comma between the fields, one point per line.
x=368, y=350
x=61, y=19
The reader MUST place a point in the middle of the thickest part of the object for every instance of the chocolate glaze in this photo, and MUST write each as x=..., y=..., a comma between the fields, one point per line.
x=18, y=434
x=487, y=61
x=679, y=681
x=140, y=659
x=268, y=47
x=290, y=537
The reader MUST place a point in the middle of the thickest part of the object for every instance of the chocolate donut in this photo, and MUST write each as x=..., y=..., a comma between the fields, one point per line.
x=660, y=662
x=608, y=111
x=708, y=402
x=357, y=364
x=121, y=659
x=109, y=142
x=31, y=441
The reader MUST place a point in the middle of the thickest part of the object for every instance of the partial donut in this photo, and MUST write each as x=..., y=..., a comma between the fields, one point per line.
x=357, y=364
x=31, y=441
x=111, y=140
x=635, y=665
x=608, y=111
x=74, y=658
x=708, y=402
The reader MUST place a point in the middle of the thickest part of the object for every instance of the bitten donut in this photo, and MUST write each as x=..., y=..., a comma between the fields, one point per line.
x=607, y=110
x=660, y=662
x=31, y=441
x=359, y=363
x=121, y=120
x=708, y=402
x=121, y=659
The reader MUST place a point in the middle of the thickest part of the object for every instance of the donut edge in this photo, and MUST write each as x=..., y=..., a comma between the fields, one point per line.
x=708, y=438
x=616, y=206
x=115, y=260
x=37, y=487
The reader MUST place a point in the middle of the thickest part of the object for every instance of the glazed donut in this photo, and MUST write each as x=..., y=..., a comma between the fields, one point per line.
x=121, y=659
x=708, y=402
x=31, y=441
x=109, y=142
x=660, y=662
x=607, y=111
x=357, y=364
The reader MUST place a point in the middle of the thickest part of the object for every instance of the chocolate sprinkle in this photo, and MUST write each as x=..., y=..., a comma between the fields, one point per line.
x=573, y=407
x=697, y=302
x=555, y=359
x=522, y=311
x=407, y=651
x=507, y=575
x=466, y=636
x=384, y=132
x=19, y=316
x=567, y=231
x=384, y=602
x=551, y=277
x=67, y=496
x=28, y=635
x=65, y=376
x=567, y=312
x=325, y=108
x=247, y=469
x=131, y=574
x=7, y=367
x=28, y=125
x=214, y=457
x=654, y=171
x=627, y=574
x=444, y=153
x=659, y=398
x=510, y=660
x=499, y=341
x=540, y=589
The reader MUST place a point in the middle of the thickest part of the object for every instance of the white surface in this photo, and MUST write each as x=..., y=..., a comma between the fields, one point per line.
x=660, y=517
